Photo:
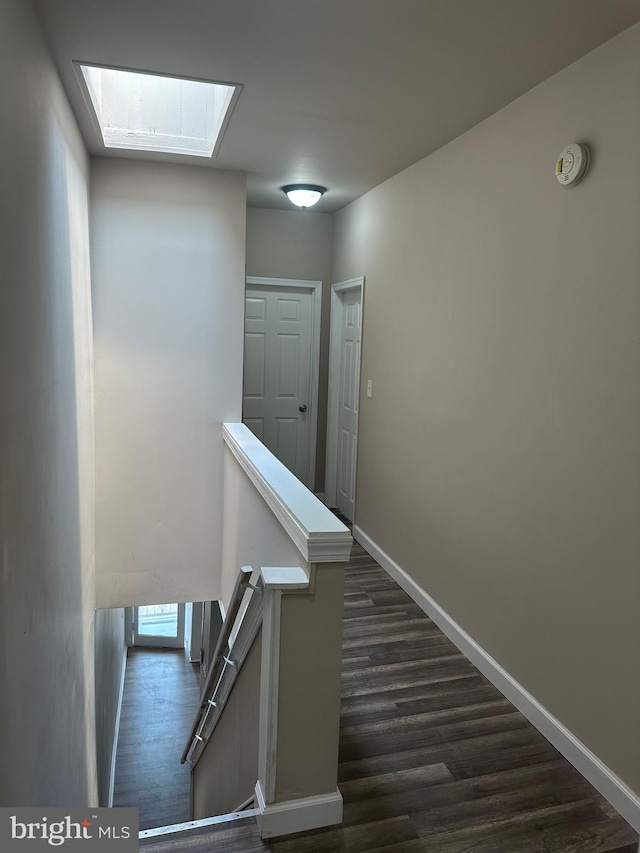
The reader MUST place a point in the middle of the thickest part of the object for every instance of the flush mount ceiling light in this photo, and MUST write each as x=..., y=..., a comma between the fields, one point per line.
x=150, y=112
x=304, y=195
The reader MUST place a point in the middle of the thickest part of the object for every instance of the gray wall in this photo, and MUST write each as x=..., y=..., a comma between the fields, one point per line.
x=500, y=453
x=47, y=730
x=110, y=651
x=297, y=244
x=168, y=288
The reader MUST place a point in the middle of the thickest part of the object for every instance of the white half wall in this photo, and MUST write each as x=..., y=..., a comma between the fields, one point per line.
x=168, y=286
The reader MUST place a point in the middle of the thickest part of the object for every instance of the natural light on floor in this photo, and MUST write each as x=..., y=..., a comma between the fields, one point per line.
x=156, y=113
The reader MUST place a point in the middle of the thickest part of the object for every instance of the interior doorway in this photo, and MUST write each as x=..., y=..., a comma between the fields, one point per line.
x=344, y=395
x=281, y=361
x=159, y=625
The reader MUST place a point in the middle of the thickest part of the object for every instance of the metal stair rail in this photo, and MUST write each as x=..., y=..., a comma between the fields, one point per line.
x=239, y=629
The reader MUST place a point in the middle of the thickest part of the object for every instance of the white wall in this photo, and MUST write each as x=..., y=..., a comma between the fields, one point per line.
x=47, y=729
x=168, y=292
x=500, y=453
x=297, y=244
x=253, y=536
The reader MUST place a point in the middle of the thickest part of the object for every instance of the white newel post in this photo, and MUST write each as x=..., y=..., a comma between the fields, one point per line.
x=276, y=581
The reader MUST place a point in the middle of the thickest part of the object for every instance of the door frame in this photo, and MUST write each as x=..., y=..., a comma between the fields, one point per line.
x=335, y=370
x=146, y=641
x=315, y=289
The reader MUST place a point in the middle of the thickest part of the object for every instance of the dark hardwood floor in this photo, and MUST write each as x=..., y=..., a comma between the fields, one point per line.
x=432, y=757
x=161, y=695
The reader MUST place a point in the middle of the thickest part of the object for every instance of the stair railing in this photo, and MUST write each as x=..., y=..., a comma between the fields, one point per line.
x=239, y=629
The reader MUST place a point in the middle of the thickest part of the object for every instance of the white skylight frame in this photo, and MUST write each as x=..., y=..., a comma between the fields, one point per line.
x=145, y=111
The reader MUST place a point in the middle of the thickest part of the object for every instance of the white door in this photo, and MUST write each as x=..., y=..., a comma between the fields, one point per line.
x=278, y=401
x=159, y=625
x=344, y=389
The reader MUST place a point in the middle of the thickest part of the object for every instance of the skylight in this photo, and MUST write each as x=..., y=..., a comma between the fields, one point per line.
x=146, y=112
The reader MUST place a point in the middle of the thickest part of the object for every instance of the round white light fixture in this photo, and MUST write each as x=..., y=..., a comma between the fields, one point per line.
x=304, y=195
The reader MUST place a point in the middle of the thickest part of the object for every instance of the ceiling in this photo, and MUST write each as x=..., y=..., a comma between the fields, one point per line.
x=343, y=93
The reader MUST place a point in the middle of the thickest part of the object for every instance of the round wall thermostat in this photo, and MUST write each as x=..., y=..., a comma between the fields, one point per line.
x=572, y=164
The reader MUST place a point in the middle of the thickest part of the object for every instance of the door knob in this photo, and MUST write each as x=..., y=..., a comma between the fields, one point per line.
x=302, y=408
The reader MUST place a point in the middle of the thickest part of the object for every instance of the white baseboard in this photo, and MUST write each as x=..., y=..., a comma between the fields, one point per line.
x=116, y=730
x=612, y=788
x=297, y=815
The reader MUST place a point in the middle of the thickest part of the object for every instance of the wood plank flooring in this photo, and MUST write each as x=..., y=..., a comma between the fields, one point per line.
x=161, y=695
x=432, y=757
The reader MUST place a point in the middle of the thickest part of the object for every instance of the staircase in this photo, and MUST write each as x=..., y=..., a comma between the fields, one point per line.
x=268, y=723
